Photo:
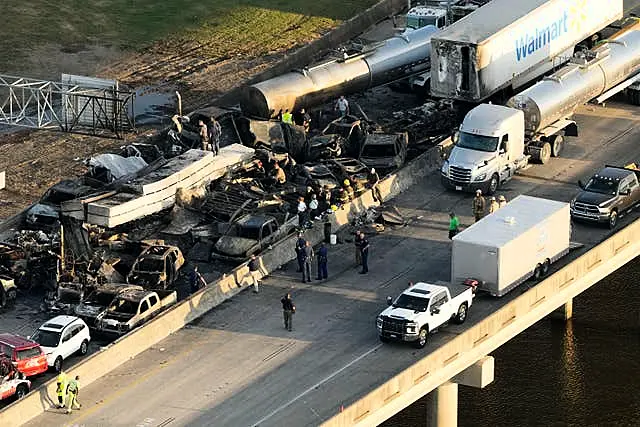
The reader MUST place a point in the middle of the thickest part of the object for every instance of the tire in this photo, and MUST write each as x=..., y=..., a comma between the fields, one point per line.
x=461, y=315
x=21, y=391
x=557, y=144
x=12, y=295
x=544, y=268
x=383, y=339
x=613, y=220
x=494, y=183
x=57, y=365
x=422, y=337
x=537, y=273
x=545, y=153
x=84, y=348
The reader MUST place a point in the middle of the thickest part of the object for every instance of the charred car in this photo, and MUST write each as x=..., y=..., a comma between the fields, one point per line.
x=66, y=297
x=351, y=169
x=97, y=302
x=132, y=308
x=8, y=291
x=156, y=267
x=316, y=176
x=384, y=152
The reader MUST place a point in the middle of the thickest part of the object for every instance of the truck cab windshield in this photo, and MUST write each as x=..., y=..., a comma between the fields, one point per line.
x=602, y=186
x=411, y=303
x=478, y=142
x=415, y=22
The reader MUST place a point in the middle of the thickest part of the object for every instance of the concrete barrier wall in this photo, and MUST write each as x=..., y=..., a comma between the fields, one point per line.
x=127, y=347
x=308, y=53
x=490, y=333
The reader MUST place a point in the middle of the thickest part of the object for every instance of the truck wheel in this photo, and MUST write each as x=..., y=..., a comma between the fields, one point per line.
x=12, y=295
x=461, y=316
x=557, y=143
x=545, y=267
x=545, y=153
x=57, y=365
x=422, y=337
x=613, y=219
x=383, y=339
x=84, y=347
x=493, y=184
x=537, y=273
x=21, y=391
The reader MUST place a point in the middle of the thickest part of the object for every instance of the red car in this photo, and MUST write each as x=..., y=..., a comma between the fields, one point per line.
x=26, y=355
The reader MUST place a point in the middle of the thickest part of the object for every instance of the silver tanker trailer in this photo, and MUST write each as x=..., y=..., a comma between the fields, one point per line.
x=495, y=141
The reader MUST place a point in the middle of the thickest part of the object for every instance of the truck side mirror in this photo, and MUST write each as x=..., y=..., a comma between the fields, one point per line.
x=626, y=192
x=580, y=184
x=389, y=301
x=502, y=151
x=455, y=137
x=435, y=310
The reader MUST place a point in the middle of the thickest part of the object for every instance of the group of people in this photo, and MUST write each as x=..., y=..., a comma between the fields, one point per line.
x=305, y=256
x=302, y=118
x=362, y=251
x=210, y=135
x=479, y=208
x=67, y=391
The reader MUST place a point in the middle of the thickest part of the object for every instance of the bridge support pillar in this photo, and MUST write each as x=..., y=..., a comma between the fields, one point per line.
x=565, y=311
x=442, y=403
x=442, y=406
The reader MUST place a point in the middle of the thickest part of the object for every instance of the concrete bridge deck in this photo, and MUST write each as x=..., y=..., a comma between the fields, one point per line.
x=238, y=366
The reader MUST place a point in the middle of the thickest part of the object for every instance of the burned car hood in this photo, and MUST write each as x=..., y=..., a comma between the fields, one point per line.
x=592, y=198
x=234, y=246
x=89, y=310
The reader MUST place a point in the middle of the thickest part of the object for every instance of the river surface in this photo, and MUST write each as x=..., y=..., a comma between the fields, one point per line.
x=585, y=372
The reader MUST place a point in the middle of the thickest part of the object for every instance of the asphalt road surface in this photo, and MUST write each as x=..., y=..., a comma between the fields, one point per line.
x=238, y=366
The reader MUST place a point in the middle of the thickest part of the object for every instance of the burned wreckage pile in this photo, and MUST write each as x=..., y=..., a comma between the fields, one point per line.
x=130, y=230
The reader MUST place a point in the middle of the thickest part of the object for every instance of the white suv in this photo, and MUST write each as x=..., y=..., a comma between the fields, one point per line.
x=61, y=337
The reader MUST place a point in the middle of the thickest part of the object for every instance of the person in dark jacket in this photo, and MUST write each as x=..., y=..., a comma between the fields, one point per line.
x=356, y=241
x=364, y=253
x=196, y=281
x=323, y=255
x=288, y=308
x=300, y=244
x=308, y=259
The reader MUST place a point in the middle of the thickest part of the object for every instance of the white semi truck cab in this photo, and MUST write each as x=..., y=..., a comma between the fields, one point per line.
x=489, y=149
x=421, y=309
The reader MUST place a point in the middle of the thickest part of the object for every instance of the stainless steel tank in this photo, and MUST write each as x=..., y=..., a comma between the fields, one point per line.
x=560, y=94
x=400, y=56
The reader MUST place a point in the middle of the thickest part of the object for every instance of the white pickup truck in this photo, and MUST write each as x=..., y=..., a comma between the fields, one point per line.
x=423, y=308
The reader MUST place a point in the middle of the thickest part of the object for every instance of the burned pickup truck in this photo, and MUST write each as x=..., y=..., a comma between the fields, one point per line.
x=251, y=234
x=157, y=267
x=607, y=195
x=93, y=307
x=132, y=308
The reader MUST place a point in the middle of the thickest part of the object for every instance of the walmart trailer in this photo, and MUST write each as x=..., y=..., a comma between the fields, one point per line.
x=508, y=43
x=509, y=246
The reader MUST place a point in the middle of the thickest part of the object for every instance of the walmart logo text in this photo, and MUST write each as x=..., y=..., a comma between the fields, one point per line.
x=531, y=42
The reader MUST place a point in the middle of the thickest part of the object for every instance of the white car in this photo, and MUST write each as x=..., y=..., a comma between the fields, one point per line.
x=62, y=337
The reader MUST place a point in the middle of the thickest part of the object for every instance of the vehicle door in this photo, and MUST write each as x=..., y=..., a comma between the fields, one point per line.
x=266, y=234
x=439, y=309
x=143, y=310
x=154, y=303
x=626, y=191
x=65, y=349
x=504, y=169
x=76, y=339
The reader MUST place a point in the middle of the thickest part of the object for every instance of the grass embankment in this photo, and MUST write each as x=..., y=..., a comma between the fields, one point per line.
x=222, y=27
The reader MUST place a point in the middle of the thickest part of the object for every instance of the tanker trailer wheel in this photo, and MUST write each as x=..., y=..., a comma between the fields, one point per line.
x=557, y=144
x=544, y=153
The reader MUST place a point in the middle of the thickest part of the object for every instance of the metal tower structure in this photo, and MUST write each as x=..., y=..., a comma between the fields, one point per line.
x=77, y=104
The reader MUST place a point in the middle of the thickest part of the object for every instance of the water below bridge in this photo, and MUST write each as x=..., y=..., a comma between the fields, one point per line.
x=583, y=373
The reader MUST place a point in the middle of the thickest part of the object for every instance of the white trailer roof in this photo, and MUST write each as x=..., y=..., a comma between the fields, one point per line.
x=488, y=19
x=501, y=227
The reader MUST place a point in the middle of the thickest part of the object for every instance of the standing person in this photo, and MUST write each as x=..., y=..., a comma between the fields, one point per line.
x=342, y=105
x=454, y=225
x=306, y=120
x=61, y=388
x=364, y=250
x=323, y=258
x=73, y=389
x=313, y=207
x=302, y=212
x=372, y=182
x=308, y=259
x=254, y=271
x=215, y=133
x=278, y=174
x=196, y=281
x=204, y=135
x=288, y=309
x=357, y=241
x=493, y=205
x=502, y=202
x=478, y=205
x=287, y=117
x=300, y=245
x=348, y=189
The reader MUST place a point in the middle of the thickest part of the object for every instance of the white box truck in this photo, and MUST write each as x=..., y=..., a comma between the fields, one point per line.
x=508, y=43
x=518, y=241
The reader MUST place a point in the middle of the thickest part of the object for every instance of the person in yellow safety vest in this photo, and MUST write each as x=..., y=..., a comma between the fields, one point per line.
x=343, y=198
x=493, y=205
x=73, y=388
x=502, y=201
x=349, y=189
x=287, y=117
x=61, y=388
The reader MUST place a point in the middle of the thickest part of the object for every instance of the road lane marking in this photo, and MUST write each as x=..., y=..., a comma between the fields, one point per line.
x=318, y=384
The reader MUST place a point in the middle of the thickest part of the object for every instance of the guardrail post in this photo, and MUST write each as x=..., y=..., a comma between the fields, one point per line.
x=442, y=406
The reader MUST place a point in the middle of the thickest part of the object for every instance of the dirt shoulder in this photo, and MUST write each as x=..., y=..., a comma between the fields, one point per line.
x=224, y=47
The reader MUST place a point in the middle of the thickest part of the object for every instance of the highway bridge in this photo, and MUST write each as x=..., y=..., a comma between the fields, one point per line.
x=238, y=366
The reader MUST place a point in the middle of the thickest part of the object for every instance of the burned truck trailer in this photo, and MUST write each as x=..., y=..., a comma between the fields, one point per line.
x=508, y=43
x=393, y=59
